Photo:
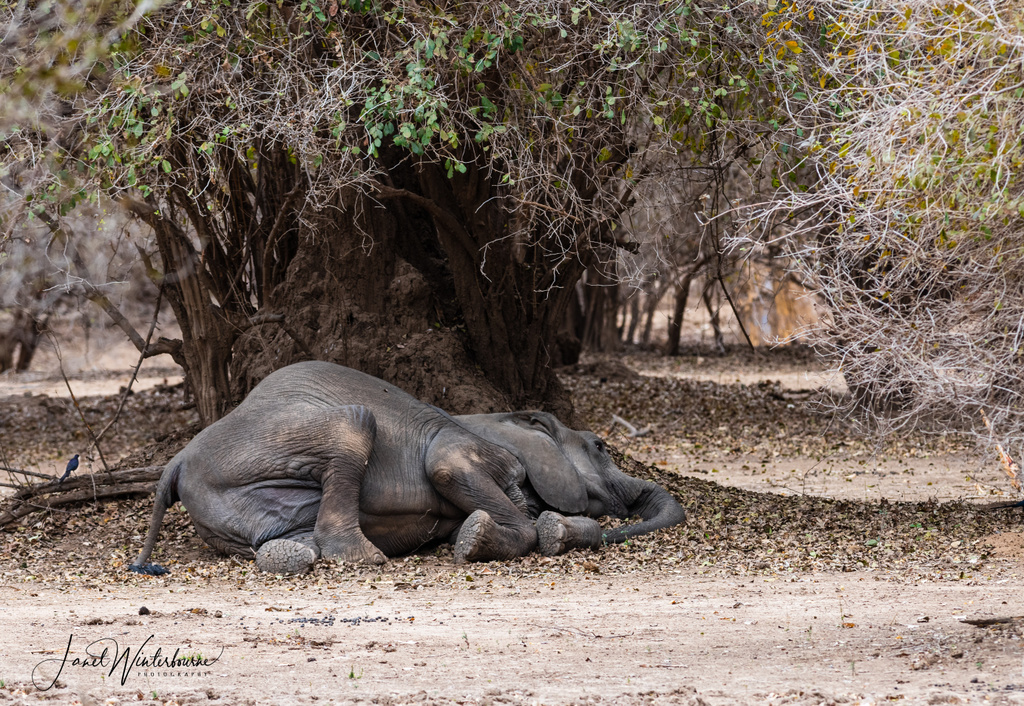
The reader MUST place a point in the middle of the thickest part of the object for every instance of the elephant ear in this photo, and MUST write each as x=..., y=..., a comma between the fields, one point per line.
x=551, y=474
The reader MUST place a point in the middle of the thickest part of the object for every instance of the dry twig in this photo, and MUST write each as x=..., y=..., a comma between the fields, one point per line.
x=135, y=373
x=74, y=400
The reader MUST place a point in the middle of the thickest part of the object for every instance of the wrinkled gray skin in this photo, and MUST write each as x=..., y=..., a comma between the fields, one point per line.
x=321, y=461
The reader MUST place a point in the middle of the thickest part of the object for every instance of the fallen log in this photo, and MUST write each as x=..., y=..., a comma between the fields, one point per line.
x=40, y=497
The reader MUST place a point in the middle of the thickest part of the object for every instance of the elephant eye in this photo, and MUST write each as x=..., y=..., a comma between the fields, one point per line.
x=600, y=446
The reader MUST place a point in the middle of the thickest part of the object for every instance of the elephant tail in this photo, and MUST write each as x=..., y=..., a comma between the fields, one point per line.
x=166, y=495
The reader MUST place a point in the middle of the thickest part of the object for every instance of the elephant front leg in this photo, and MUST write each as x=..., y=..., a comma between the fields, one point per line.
x=337, y=534
x=557, y=534
x=482, y=539
x=476, y=478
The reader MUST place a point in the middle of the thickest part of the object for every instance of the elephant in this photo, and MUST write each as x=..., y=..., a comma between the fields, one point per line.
x=323, y=461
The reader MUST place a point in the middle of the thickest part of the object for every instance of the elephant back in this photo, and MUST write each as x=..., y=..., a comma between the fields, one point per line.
x=318, y=383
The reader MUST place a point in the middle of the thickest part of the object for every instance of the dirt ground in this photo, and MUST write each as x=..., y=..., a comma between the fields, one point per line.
x=792, y=582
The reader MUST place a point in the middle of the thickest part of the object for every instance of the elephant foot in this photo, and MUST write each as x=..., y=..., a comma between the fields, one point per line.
x=476, y=538
x=557, y=534
x=376, y=556
x=551, y=533
x=364, y=553
x=285, y=556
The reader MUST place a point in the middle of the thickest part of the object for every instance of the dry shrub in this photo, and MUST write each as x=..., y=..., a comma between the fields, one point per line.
x=909, y=232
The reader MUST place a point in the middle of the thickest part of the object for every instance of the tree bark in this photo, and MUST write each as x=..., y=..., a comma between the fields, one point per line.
x=436, y=293
x=512, y=313
x=601, y=294
x=651, y=302
x=634, y=318
x=207, y=337
x=675, y=326
x=246, y=235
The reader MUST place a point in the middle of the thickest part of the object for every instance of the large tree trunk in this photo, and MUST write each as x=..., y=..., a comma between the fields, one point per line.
x=512, y=301
x=206, y=334
x=388, y=310
x=246, y=235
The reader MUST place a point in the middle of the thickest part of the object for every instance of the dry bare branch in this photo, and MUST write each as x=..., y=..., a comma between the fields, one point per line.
x=41, y=497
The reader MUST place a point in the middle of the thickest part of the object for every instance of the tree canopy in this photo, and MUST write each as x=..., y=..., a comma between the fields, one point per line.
x=517, y=132
x=496, y=146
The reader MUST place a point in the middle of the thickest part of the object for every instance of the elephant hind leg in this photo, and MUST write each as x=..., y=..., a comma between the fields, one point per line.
x=222, y=545
x=287, y=556
x=337, y=533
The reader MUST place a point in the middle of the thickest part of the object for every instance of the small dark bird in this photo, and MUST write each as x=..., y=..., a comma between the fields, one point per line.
x=1019, y=503
x=72, y=465
x=1004, y=506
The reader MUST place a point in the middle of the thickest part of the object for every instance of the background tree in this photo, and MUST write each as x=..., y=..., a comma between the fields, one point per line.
x=36, y=286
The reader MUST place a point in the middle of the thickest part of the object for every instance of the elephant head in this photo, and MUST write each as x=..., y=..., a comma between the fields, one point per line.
x=571, y=472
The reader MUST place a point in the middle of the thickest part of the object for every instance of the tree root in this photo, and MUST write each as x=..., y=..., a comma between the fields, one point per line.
x=40, y=497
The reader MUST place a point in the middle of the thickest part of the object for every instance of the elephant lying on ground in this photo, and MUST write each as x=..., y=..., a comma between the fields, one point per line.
x=321, y=461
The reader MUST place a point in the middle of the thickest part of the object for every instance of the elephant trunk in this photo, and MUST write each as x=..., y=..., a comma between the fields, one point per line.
x=656, y=508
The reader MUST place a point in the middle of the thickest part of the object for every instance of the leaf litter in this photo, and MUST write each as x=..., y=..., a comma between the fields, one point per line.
x=729, y=531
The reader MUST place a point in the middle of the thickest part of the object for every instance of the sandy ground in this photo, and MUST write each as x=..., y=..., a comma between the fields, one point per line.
x=424, y=630
x=842, y=475
x=29, y=384
x=648, y=636
x=868, y=473
x=98, y=366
